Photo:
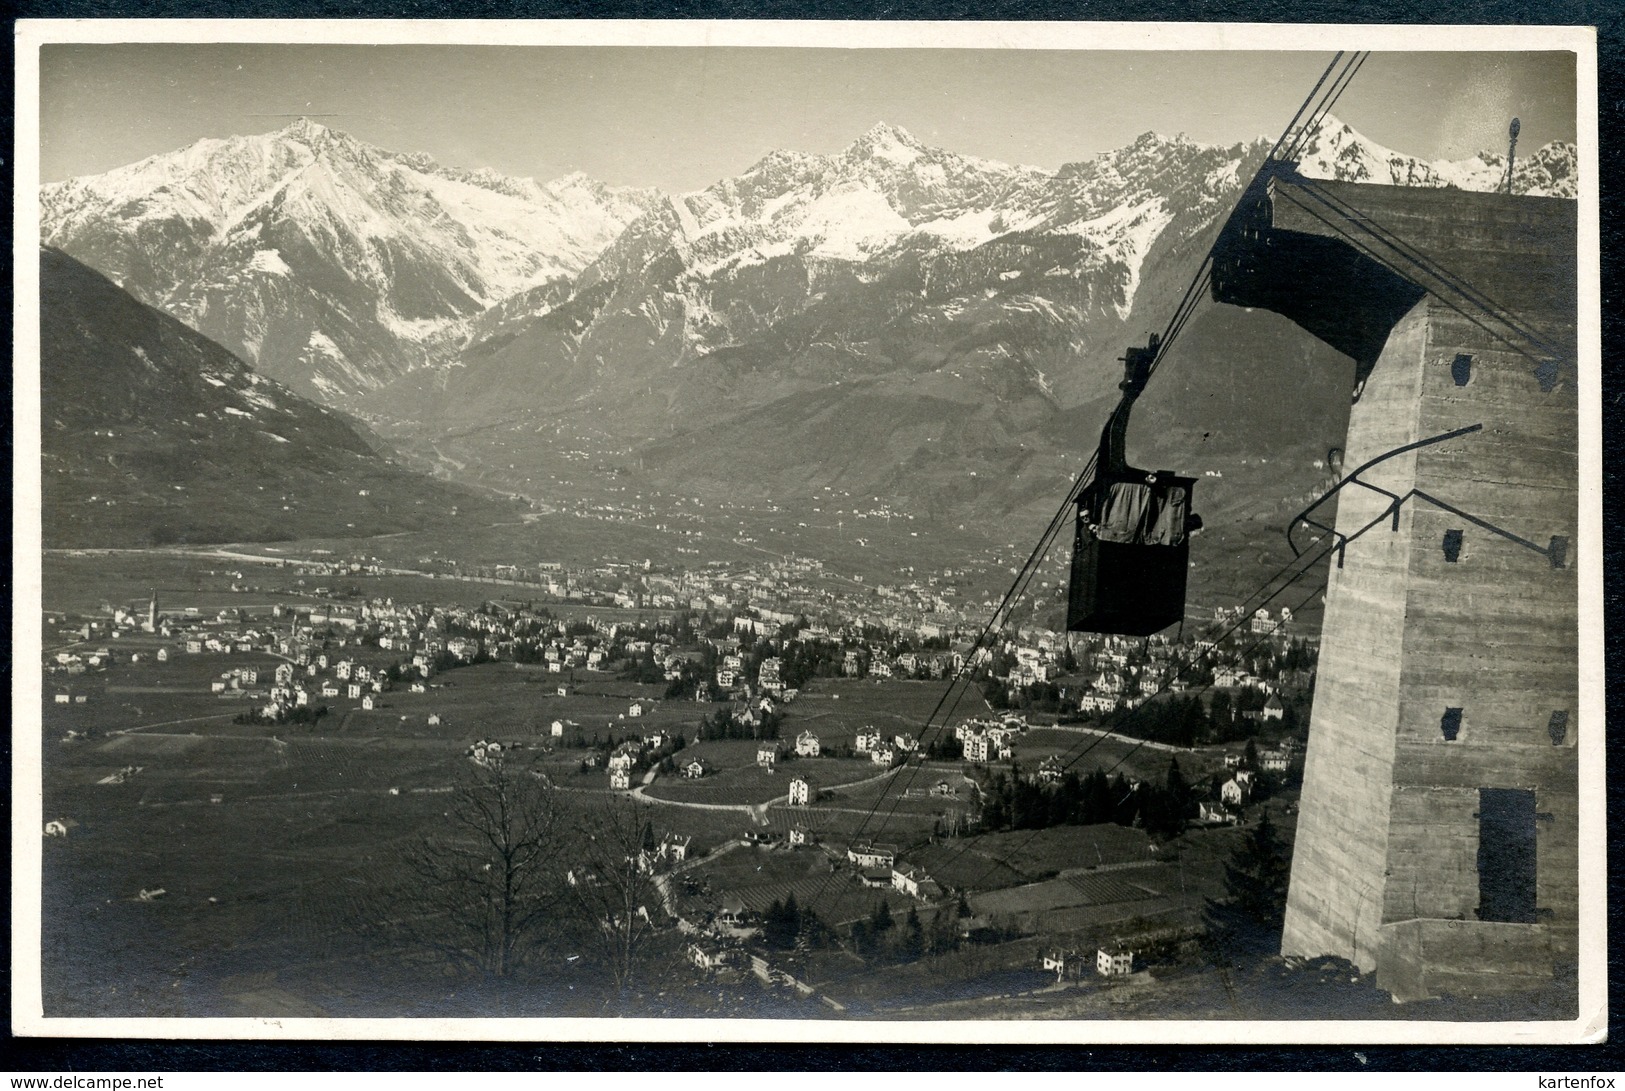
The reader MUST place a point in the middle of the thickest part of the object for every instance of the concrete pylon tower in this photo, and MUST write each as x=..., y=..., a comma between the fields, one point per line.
x=1437, y=840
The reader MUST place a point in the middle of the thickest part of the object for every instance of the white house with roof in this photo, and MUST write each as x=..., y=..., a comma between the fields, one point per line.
x=977, y=747
x=866, y=854
x=802, y=792
x=914, y=882
x=1114, y=962
x=625, y=756
x=807, y=745
x=708, y=958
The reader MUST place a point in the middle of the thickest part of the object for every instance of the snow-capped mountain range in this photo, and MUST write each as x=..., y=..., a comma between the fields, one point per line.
x=336, y=266
x=326, y=262
x=893, y=320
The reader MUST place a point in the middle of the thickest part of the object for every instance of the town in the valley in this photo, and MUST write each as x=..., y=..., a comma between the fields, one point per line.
x=845, y=800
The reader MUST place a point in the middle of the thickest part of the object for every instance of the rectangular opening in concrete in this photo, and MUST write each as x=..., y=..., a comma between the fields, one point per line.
x=1461, y=369
x=1558, y=727
x=1452, y=546
x=1546, y=375
x=1506, y=855
x=1558, y=551
x=1450, y=724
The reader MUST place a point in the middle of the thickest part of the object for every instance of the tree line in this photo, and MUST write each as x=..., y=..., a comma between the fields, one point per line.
x=1011, y=801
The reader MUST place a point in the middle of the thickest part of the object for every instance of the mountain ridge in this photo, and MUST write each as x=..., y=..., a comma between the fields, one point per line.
x=152, y=434
x=338, y=266
x=935, y=331
x=326, y=262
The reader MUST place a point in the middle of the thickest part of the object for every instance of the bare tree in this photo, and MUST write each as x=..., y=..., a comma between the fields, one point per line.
x=481, y=892
x=616, y=883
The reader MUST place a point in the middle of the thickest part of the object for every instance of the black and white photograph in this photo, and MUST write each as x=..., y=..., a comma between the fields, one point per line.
x=836, y=532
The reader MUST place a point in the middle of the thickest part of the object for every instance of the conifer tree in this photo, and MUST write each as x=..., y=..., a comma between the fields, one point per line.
x=1248, y=919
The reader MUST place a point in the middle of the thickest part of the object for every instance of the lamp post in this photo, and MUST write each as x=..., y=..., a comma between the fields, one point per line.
x=1512, y=151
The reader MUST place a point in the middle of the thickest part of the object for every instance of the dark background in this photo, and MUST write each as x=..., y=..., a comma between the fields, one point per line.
x=1608, y=16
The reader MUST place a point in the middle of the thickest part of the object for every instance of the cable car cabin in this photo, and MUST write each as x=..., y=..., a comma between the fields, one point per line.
x=1131, y=552
x=1131, y=555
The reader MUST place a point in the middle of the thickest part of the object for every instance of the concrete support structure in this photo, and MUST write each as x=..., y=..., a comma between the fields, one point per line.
x=1437, y=837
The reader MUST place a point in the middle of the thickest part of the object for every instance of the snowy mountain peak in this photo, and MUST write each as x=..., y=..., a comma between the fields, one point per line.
x=574, y=180
x=887, y=141
x=306, y=236
x=304, y=129
x=1336, y=150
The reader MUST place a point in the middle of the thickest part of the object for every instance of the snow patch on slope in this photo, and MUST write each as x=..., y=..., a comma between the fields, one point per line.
x=269, y=261
x=850, y=223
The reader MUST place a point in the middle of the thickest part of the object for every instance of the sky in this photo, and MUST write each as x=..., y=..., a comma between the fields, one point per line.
x=681, y=118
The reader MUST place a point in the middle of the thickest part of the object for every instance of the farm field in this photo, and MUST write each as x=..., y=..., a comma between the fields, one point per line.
x=1084, y=753
x=836, y=827
x=907, y=791
x=1109, y=888
x=837, y=900
x=1048, y=852
x=737, y=780
x=960, y=863
x=836, y=709
x=758, y=877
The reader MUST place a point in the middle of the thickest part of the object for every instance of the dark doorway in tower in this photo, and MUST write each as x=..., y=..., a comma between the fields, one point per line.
x=1506, y=855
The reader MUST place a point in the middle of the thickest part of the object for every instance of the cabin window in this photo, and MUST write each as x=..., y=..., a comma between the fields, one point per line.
x=1452, y=546
x=1506, y=855
x=1461, y=369
x=1450, y=724
x=1142, y=514
x=1558, y=727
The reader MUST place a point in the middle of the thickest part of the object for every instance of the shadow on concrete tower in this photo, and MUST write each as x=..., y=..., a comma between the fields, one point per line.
x=1437, y=837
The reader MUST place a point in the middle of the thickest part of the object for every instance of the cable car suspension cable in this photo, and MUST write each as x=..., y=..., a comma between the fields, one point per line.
x=1194, y=294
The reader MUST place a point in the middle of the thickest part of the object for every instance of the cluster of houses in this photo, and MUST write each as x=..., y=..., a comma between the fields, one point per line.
x=639, y=752
x=487, y=752
x=877, y=866
x=885, y=752
x=1068, y=964
x=1260, y=623
x=671, y=851
x=1114, y=672
x=1236, y=791
x=989, y=740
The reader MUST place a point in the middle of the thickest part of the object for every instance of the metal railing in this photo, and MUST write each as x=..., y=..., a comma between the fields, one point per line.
x=1556, y=552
